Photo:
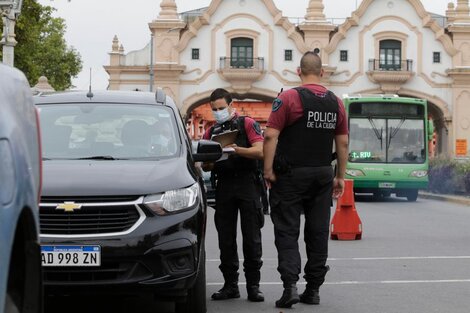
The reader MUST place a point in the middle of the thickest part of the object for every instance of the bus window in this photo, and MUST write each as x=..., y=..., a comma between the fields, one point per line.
x=367, y=140
x=406, y=141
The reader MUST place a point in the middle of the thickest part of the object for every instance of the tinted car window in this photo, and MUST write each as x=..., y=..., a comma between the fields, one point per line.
x=120, y=131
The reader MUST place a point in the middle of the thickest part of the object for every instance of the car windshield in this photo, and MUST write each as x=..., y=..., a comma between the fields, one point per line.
x=107, y=131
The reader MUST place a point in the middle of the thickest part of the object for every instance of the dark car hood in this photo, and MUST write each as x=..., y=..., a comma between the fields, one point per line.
x=120, y=177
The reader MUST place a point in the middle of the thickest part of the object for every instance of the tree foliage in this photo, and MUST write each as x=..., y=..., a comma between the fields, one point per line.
x=42, y=49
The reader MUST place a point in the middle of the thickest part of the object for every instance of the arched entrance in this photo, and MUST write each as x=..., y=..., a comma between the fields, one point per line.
x=441, y=137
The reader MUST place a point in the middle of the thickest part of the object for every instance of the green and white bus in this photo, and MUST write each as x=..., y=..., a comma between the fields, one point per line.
x=388, y=144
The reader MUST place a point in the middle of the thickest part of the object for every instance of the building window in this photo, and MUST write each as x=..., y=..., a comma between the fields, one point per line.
x=436, y=57
x=241, y=53
x=287, y=55
x=390, y=55
x=195, y=54
x=343, y=55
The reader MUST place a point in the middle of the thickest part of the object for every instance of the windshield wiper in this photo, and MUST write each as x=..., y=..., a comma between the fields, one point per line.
x=376, y=131
x=394, y=131
x=99, y=157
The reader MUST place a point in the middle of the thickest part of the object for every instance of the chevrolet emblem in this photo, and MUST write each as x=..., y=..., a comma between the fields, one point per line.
x=68, y=207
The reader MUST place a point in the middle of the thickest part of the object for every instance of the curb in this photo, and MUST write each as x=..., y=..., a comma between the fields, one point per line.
x=447, y=198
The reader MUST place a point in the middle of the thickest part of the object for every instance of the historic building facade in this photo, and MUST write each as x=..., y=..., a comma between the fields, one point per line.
x=252, y=50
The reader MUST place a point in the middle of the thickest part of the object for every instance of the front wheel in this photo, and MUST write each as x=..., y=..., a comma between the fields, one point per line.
x=412, y=195
x=196, y=299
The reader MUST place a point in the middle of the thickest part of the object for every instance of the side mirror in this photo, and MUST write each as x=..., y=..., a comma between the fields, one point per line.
x=207, y=151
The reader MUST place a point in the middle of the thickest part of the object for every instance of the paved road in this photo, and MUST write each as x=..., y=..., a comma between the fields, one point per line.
x=413, y=258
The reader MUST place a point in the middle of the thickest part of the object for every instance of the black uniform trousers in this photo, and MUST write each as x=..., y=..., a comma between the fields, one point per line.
x=235, y=192
x=308, y=190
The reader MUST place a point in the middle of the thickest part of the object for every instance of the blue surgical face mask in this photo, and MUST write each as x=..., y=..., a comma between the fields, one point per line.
x=221, y=116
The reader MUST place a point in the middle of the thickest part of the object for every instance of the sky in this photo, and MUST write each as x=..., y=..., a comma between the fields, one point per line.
x=92, y=24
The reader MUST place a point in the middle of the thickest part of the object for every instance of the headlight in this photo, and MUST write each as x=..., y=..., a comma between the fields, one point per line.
x=174, y=200
x=419, y=174
x=355, y=173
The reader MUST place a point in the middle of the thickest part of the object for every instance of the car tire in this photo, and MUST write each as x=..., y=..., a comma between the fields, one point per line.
x=196, y=299
x=10, y=305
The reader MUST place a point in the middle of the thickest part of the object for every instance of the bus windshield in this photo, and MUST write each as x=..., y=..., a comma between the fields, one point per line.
x=387, y=140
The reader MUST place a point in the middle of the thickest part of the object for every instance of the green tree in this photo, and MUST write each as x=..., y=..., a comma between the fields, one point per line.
x=42, y=49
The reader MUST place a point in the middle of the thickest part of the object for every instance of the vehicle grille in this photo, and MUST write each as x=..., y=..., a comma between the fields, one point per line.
x=90, y=219
x=88, y=199
x=108, y=272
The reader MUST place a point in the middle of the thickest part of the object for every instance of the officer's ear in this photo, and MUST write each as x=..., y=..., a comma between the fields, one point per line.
x=230, y=107
x=299, y=71
x=322, y=72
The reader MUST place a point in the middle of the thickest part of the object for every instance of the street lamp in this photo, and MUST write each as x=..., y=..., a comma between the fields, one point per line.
x=152, y=74
x=9, y=10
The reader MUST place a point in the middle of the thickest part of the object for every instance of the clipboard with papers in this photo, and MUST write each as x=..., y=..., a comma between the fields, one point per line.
x=225, y=138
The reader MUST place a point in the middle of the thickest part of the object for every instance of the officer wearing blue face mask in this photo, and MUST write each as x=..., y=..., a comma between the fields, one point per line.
x=237, y=189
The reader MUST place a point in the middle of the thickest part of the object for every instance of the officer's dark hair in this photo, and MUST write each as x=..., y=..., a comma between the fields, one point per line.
x=310, y=64
x=220, y=93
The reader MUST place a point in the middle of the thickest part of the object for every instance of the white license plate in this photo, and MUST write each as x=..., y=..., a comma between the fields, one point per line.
x=386, y=185
x=71, y=255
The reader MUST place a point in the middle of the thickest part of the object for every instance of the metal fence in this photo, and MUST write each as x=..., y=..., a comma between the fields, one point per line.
x=242, y=63
x=399, y=65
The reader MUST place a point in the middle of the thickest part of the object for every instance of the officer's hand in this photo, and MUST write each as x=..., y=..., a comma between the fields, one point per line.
x=338, y=187
x=270, y=178
x=234, y=146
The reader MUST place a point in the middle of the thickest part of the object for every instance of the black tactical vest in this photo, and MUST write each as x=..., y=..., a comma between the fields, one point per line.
x=234, y=163
x=309, y=141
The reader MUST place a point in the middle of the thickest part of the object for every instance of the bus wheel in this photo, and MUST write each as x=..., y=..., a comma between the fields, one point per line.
x=412, y=195
x=386, y=193
x=378, y=196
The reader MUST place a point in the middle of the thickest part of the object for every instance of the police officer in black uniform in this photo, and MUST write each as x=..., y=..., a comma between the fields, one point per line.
x=237, y=189
x=301, y=129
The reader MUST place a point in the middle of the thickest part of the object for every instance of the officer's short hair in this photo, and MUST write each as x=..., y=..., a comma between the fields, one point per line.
x=310, y=64
x=220, y=93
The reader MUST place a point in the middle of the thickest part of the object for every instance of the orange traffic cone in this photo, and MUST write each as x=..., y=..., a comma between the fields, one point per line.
x=346, y=224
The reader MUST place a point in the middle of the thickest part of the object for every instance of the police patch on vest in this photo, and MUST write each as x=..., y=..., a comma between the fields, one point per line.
x=277, y=103
x=257, y=128
x=321, y=120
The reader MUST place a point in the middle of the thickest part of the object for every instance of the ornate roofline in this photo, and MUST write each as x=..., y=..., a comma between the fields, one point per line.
x=278, y=19
x=427, y=21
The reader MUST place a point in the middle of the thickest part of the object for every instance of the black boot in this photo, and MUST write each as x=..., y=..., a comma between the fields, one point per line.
x=228, y=291
x=310, y=296
x=289, y=297
x=254, y=294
